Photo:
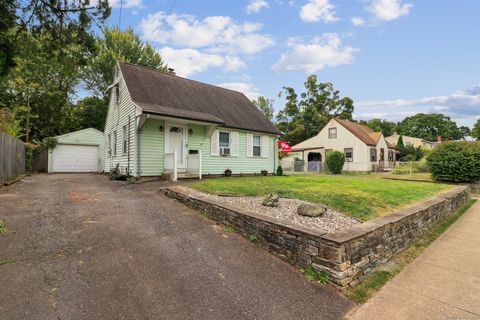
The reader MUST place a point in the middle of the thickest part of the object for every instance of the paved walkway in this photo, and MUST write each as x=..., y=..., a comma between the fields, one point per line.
x=442, y=283
x=86, y=247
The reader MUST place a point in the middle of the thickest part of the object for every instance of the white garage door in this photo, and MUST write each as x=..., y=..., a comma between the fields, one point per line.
x=75, y=158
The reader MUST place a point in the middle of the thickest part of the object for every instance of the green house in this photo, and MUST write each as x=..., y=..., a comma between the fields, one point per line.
x=159, y=123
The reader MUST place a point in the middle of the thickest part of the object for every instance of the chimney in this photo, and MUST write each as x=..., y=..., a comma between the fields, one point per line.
x=171, y=71
x=439, y=139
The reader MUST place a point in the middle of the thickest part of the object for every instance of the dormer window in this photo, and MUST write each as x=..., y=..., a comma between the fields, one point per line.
x=332, y=133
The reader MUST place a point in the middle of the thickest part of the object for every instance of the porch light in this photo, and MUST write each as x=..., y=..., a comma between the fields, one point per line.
x=190, y=131
x=160, y=128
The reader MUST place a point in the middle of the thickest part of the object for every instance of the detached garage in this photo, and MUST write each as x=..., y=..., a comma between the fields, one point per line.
x=79, y=151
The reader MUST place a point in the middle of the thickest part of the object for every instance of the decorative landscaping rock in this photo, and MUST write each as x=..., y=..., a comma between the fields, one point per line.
x=311, y=210
x=271, y=200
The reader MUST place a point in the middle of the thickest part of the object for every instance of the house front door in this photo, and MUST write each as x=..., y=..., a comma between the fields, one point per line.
x=176, y=141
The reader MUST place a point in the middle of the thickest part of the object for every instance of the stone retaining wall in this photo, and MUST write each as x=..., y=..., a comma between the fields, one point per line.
x=346, y=256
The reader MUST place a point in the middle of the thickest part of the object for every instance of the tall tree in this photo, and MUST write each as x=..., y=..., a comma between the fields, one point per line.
x=39, y=89
x=265, y=105
x=119, y=45
x=91, y=112
x=381, y=125
x=304, y=116
x=7, y=43
x=430, y=126
x=70, y=21
x=476, y=130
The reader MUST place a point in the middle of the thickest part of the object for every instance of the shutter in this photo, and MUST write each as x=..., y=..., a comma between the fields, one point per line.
x=234, y=137
x=249, y=145
x=264, y=147
x=214, y=143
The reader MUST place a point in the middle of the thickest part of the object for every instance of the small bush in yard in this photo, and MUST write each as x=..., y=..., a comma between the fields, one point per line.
x=335, y=161
x=457, y=161
x=279, y=170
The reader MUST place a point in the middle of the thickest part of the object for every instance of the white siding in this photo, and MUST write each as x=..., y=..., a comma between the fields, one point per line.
x=119, y=116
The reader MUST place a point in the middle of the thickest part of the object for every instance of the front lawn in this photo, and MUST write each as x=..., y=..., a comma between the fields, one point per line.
x=362, y=197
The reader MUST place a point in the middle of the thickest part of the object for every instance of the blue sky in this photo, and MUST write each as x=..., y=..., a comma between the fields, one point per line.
x=394, y=58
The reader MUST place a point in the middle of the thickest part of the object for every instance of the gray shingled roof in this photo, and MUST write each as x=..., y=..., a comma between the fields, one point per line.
x=172, y=96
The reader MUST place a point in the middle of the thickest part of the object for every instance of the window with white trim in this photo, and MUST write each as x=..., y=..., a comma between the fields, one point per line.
x=332, y=133
x=115, y=143
x=109, y=145
x=124, y=145
x=348, y=154
x=257, y=146
x=373, y=155
x=224, y=142
x=117, y=94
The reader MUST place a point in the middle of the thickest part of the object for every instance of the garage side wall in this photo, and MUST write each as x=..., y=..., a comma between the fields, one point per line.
x=120, y=115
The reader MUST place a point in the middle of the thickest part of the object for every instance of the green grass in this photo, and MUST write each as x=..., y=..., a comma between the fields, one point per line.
x=377, y=279
x=364, y=197
x=230, y=229
x=3, y=228
x=314, y=275
x=2, y=262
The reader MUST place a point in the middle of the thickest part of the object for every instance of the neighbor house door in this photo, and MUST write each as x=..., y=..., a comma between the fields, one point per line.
x=176, y=141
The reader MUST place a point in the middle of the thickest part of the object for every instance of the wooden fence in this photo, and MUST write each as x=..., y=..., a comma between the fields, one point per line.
x=12, y=157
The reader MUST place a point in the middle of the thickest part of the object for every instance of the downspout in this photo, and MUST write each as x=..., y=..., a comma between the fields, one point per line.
x=275, y=155
x=128, y=146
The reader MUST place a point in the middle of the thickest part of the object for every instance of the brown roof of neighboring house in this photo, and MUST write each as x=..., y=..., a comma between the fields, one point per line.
x=362, y=132
x=173, y=96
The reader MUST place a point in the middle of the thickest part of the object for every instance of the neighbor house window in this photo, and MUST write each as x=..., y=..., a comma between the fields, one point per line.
x=382, y=154
x=256, y=146
x=348, y=154
x=114, y=143
x=390, y=155
x=224, y=142
x=373, y=154
x=332, y=133
x=109, y=145
x=124, y=145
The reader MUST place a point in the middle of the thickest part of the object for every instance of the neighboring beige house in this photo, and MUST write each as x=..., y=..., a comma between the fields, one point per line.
x=416, y=142
x=364, y=149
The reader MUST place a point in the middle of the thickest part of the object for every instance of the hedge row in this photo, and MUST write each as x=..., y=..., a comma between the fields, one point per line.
x=457, y=161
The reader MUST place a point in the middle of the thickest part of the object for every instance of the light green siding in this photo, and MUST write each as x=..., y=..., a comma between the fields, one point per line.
x=118, y=116
x=88, y=136
x=152, y=148
x=239, y=164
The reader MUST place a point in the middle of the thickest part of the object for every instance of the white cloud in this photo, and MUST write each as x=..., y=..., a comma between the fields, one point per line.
x=255, y=6
x=387, y=10
x=321, y=52
x=126, y=3
x=246, y=88
x=461, y=104
x=318, y=10
x=357, y=21
x=214, y=33
x=190, y=61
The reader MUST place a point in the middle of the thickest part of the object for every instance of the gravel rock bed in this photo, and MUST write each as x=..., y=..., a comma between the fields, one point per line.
x=330, y=222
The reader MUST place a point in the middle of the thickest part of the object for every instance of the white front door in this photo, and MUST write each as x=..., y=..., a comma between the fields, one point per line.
x=176, y=141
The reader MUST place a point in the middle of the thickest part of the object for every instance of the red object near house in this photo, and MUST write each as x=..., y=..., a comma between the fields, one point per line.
x=285, y=147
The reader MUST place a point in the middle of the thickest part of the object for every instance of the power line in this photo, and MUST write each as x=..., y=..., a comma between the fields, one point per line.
x=120, y=16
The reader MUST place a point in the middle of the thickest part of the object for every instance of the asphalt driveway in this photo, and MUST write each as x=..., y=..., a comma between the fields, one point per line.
x=86, y=247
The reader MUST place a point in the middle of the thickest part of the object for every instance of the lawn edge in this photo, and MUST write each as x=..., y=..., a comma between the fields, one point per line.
x=377, y=279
